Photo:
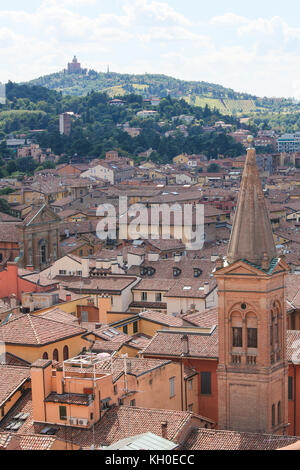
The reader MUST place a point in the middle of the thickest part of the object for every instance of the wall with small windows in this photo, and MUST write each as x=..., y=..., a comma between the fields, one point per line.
x=32, y=353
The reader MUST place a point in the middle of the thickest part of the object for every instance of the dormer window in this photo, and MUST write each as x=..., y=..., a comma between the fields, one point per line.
x=197, y=272
x=176, y=272
x=143, y=271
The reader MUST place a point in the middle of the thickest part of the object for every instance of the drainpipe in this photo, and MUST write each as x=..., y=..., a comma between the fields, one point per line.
x=181, y=383
x=295, y=399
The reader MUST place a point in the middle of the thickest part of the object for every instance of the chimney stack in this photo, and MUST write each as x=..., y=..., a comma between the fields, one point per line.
x=206, y=288
x=104, y=306
x=164, y=430
x=185, y=345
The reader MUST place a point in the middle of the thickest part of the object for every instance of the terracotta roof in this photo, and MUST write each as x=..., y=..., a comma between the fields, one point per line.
x=101, y=333
x=293, y=346
x=118, y=423
x=206, y=319
x=9, y=359
x=8, y=218
x=168, y=343
x=12, y=441
x=292, y=291
x=34, y=330
x=70, y=398
x=107, y=346
x=161, y=318
x=112, y=284
x=59, y=315
x=190, y=288
x=12, y=378
x=9, y=231
x=204, y=439
x=164, y=268
x=135, y=366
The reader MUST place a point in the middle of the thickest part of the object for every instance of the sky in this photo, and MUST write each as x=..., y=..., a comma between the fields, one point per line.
x=251, y=47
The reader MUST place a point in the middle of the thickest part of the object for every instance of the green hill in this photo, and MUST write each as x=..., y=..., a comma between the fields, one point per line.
x=225, y=100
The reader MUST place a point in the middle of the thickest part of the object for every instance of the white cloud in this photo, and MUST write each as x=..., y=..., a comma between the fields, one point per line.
x=257, y=55
x=228, y=19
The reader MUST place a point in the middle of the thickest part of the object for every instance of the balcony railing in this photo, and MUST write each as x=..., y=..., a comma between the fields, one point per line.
x=236, y=359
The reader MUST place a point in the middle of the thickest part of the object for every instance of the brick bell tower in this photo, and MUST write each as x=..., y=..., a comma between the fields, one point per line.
x=252, y=370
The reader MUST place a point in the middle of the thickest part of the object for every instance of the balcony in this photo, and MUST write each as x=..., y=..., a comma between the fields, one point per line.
x=236, y=359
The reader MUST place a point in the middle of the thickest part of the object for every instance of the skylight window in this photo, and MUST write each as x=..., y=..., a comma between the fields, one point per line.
x=115, y=332
x=187, y=288
x=107, y=333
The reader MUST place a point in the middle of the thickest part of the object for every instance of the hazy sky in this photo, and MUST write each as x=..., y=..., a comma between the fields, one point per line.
x=253, y=48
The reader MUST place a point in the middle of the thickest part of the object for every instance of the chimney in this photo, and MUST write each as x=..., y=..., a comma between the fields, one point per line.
x=219, y=263
x=85, y=267
x=115, y=268
x=31, y=303
x=153, y=256
x=206, y=288
x=164, y=430
x=185, y=345
x=13, y=301
x=68, y=298
x=104, y=306
x=30, y=268
x=120, y=260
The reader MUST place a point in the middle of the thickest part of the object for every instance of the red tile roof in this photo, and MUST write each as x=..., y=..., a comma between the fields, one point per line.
x=168, y=343
x=12, y=378
x=206, y=319
x=293, y=346
x=204, y=439
x=34, y=330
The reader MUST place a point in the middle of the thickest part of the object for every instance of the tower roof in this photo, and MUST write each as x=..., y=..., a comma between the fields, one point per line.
x=252, y=236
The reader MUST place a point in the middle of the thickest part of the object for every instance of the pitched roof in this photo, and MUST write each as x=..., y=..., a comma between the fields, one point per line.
x=212, y=439
x=206, y=319
x=118, y=423
x=12, y=378
x=59, y=315
x=168, y=343
x=293, y=342
x=161, y=318
x=252, y=234
x=34, y=330
x=9, y=231
x=12, y=441
x=9, y=359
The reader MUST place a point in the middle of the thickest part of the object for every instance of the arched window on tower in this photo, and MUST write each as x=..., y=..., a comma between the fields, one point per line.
x=279, y=413
x=273, y=416
x=45, y=355
x=252, y=340
x=237, y=330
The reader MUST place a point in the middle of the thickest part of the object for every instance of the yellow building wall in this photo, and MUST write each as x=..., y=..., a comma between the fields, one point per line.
x=13, y=400
x=67, y=307
x=32, y=353
x=153, y=389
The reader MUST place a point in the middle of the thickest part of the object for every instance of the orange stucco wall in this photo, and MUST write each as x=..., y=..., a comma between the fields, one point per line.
x=11, y=283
